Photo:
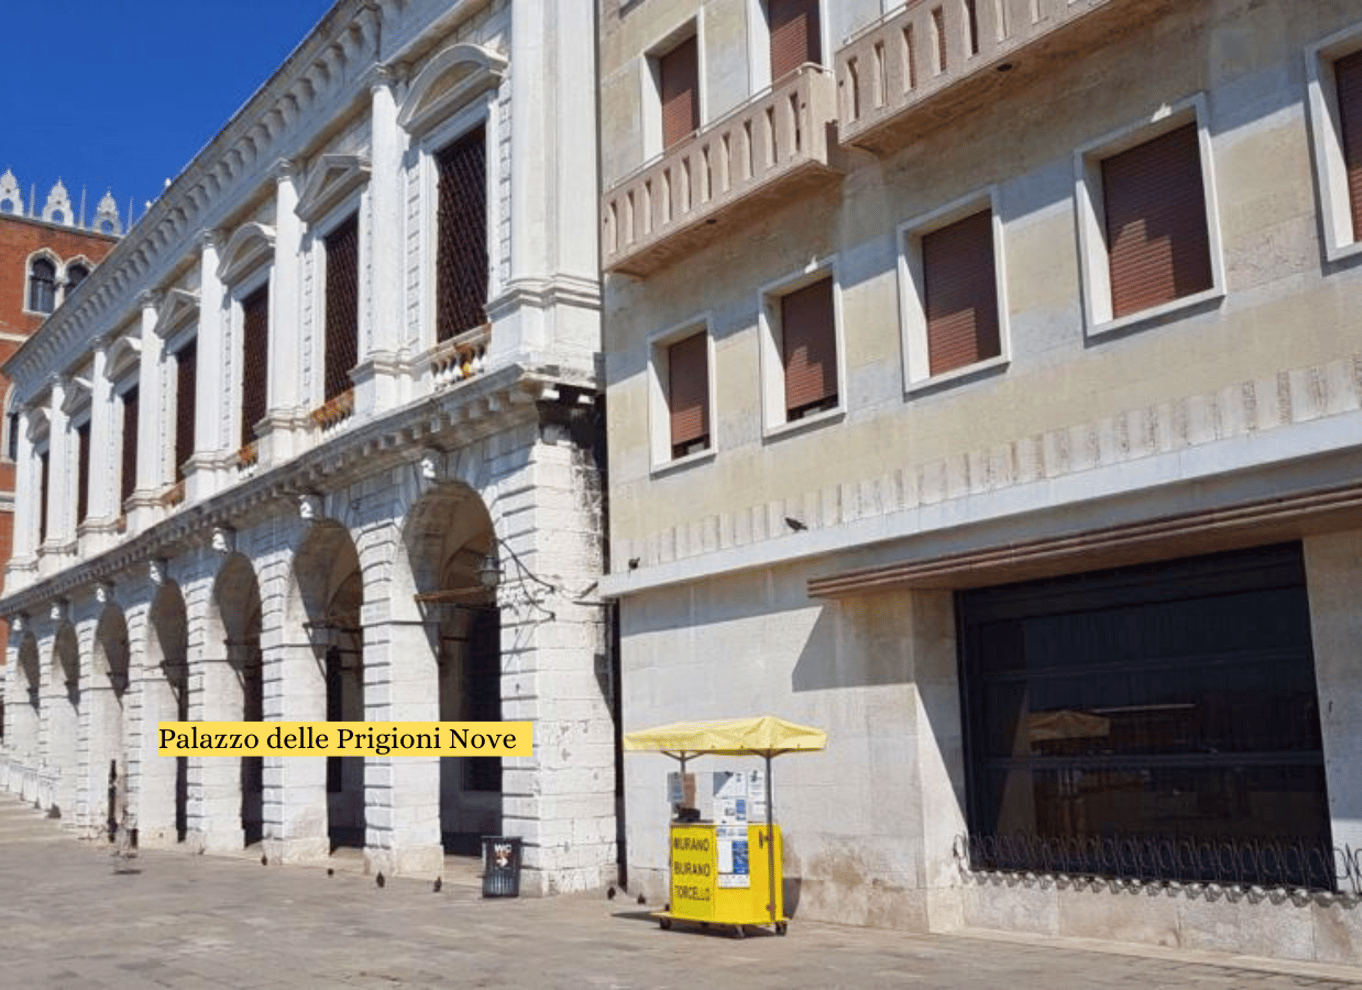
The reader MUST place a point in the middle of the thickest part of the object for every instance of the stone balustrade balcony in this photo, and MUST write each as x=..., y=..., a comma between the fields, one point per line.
x=733, y=167
x=931, y=61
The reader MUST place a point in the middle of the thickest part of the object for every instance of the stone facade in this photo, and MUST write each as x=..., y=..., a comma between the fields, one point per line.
x=324, y=560
x=813, y=566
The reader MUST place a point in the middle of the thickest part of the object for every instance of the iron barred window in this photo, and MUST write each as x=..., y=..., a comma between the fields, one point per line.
x=1129, y=716
x=255, y=346
x=342, y=306
x=461, y=251
x=82, y=472
x=186, y=369
x=130, y=414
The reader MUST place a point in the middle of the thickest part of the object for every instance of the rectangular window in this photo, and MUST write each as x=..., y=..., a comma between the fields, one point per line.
x=186, y=376
x=795, y=35
x=255, y=365
x=128, y=482
x=679, y=84
x=43, y=479
x=1158, y=721
x=342, y=306
x=960, y=293
x=688, y=394
x=809, y=349
x=461, y=252
x=1348, y=77
x=1158, y=245
x=82, y=472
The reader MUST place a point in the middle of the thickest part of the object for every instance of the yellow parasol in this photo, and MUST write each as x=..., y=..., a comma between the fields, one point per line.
x=763, y=735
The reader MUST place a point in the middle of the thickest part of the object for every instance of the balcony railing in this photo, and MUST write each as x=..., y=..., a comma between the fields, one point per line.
x=766, y=146
x=911, y=58
x=460, y=358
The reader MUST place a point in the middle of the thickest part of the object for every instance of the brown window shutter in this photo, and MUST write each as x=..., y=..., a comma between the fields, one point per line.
x=82, y=472
x=1348, y=73
x=186, y=383
x=688, y=393
x=255, y=366
x=1157, y=243
x=809, y=349
x=43, y=478
x=679, y=70
x=342, y=306
x=461, y=250
x=960, y=293
x=128, y=483
x=795, y=35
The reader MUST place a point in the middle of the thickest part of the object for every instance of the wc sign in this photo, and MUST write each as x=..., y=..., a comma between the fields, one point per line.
x=501, y=854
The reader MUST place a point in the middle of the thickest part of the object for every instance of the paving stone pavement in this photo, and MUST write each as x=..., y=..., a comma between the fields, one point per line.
x=68, y=920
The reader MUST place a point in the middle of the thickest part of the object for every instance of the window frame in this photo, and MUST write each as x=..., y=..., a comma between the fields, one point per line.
x=42, y=254
x=650, y=82
x=238, y=293
x=480, y=112
x=774, y=416
x=1326, y=142
x=914, y=338
x=659, y=397
x=1090, y=215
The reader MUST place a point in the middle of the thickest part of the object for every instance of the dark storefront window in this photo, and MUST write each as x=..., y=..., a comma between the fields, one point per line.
x=1158, y=721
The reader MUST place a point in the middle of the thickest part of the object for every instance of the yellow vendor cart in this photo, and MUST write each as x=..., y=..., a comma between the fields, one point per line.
x=701, y=855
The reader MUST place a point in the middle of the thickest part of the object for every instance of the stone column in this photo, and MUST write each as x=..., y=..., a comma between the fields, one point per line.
x=152, y=776
x=96, y=532
x=141, y=812
x=562, y=800
x=1333, y=577
x=61, y=507
x=295, y=690
x=376, y=377
x=401, y=684
x=208, y=467
x=151, y=448
x=286, y=420
x=91, y=779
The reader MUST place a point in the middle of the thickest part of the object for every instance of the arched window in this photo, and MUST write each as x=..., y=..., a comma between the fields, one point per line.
x=42, y=286
x=75, y=274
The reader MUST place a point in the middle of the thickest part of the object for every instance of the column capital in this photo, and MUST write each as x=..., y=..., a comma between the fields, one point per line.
x=286, y=170
x=209, y=239
x=150, y=299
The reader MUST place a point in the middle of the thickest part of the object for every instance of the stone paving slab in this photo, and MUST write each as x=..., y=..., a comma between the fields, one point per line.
x=68, y=920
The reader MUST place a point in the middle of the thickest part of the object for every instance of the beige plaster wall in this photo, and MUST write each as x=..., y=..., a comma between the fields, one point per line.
x=1285, y=308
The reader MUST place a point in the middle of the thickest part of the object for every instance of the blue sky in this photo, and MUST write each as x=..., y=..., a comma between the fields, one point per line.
x=121, y=96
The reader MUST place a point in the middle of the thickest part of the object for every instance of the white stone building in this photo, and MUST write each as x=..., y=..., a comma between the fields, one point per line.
x=341, y=371
x=985, y=388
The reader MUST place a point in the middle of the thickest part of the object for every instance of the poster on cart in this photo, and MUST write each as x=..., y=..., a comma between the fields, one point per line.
x=730, y=816
x=733, y=865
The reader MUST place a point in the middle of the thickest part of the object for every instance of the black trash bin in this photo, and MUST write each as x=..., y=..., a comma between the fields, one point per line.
x=500, y=866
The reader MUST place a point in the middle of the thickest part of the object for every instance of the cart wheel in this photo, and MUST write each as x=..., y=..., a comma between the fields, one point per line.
x=780, y=928
x=664, y=923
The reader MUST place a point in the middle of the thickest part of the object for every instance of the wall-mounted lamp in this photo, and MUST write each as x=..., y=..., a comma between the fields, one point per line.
x=489, y=571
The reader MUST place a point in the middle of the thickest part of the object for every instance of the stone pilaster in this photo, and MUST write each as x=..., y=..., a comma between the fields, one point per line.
x=151, y=418
x=207, y=472
x=286, y=421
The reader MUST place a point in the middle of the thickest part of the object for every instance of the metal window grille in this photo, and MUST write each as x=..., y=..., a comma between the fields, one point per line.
x=129, y=480
x=1157, y=242
x=186, y=372
x=1348, y=74
x=960, y=293
x=42, y=286
x=482, y=695
x=255, y=368
x=461, y=251
x=43, y=478
x=82, y=472
x=809, y=349
x=342, y=306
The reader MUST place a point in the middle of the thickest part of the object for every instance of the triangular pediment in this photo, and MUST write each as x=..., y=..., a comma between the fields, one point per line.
x=448, y=82
x=179, y=308
x=333, y=178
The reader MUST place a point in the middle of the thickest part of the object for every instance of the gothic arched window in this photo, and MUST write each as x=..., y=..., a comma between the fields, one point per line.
x=75, y=274
x=42, y=286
